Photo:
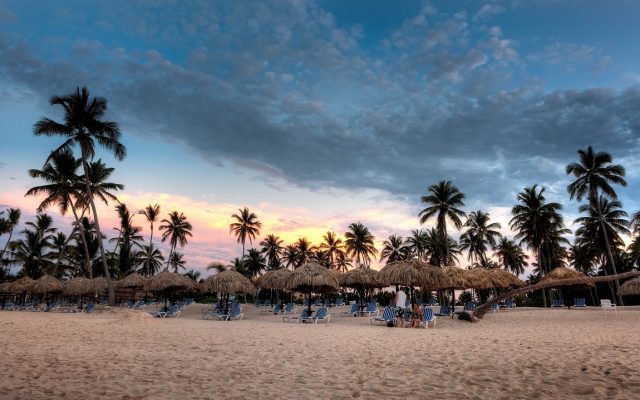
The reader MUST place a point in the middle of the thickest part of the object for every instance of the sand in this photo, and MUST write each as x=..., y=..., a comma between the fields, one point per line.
x=514, y=354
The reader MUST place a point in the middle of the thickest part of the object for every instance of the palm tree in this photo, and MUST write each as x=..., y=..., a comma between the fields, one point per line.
x=305, y=252
x=359, y=244
x=444, y=200
x=59, y=244
x=176, y=229
x=535, y=221
x=83, y=126
x=12, y=220
x=272, y=248
x=290, y=256
x=479, y=235
x=151, y=259
x=594, y=175
x=511, y=256
x=33, y=250
x=63, y=188
x=394, y=249
x=436, y=248
x=151, y=213
x=128, y=238
x=191, y=274
x=217, y=266
x=254, y=263
x=333, y=247
x=342, y=262
x=416, y=244
x=177, y=261
x=246, y=226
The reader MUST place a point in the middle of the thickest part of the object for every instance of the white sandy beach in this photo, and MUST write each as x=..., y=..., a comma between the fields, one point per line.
x=515, y=354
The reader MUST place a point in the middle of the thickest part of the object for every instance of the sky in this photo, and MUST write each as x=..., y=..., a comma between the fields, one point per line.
x=319, y=114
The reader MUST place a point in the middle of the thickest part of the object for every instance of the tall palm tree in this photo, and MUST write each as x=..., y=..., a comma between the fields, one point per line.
x=416, y=244
x=10, y=222
x=246, y=226
x=33, y=250
x=177, y=261
x=272, y=248
x=333, y=246
x=151, y=260
x=534, y=221
x=444, y=200
x=305, y=251
x=151, y=213
x=343, y=262
x=479, y=235
x=63, y=188
x=83, y=126
x=254, y=263
x=176, y=229
x=359, y=244
x=511, y=256
x=129, y=239
x=594, y=175
x=436, y=249
x=394, y=249
x=290, y=256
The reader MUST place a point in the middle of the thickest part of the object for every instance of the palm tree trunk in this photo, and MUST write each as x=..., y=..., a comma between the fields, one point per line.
x=544, y=295
x=5, y=249
x=593, y=200
x=112, y=296
x=85, y=248
x=148, y=273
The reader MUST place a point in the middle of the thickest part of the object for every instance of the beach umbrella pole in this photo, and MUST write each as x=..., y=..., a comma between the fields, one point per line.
x=453, y=302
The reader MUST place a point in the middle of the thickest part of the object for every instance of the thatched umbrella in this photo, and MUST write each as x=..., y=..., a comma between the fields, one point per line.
x=79, y=287
x=134, y=280
x=630, y=287
x=360, y=279
x=227, y=282
x=562, y=273
x=274, y=279
x=412, y=273
x=166, y=281
x=24, y=284
x=47, y=284
x=5, y=287
x=99, y=284
x=507, y=279
x=312, y=277
x=481, y=278
x=457, y=278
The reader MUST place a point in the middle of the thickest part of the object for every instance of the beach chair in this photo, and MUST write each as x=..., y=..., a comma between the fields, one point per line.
x=470, y=306
x=209, y=313
x=139, y=304
x=290, y=308
x=580, y=302
x=317, y=303
x=444, y=311
x=389, y=314
x=89, y=308
x=557, y=303
x=353, y=311
x=509, y=303
x=372, y=308
x=339, y=302
x=420, y=302
x=428, y=318
x=9, y=306
x=432, y=301
x=305, y=302
x=321, y=315
x=304, y=315
x=495, y=308
x=235, y=313
x=327, y=303
x=607, y=305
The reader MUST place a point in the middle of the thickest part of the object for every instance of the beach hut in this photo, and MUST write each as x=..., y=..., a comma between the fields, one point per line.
x=167, y=282
x=630, y=287
x=312, y=277
x=360, y=279
x=412, y=273
x=227, y=282
x=562, y=273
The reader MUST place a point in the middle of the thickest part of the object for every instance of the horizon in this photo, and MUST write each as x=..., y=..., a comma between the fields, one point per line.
x=316, y=115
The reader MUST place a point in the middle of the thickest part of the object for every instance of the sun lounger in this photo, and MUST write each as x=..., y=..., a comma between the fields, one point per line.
x=290, y=308
x=469, y=306
x=444, y=311
x=236, y=313
x=317, y=303
x=321, y=315
x=304, y=315
x=607, y=305
x=432, y=302
x=339, y=302
x=580, y=302
x=557, y=303
x=353, y=311
x=389, y=314
x=372, y=308
x=509, y=303
x=495, y=308
x=428, y=318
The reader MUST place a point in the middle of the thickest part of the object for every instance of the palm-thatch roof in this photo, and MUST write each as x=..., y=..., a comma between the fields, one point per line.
x=47, y=284
x=481, y=278
x=457, y=278
x=166, y=280
x=79, y=286
x=630, y=287
x=360, y=278
x=229, y=281
x=312, y=277
x=507, y=278
x=5, y=287
x=274, y=279
x=562, y=273
x=24, y=284
x=412, y=273
x=134, y=280
x=99, y=284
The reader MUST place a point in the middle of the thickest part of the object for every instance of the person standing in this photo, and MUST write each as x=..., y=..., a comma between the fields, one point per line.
x=400, y=301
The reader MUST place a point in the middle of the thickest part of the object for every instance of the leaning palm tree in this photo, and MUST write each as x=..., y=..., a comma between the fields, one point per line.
x=83, y=126
x=151, y=213
x=479, y=235
x=176, y=229
x=10, y=222
x=511, y=256
x=273, y=250
x=535, y=221
x=444, y=200
x=359, y=244
x=333, y=246
x=63, y=188
x=394, y=249
x=246, y=226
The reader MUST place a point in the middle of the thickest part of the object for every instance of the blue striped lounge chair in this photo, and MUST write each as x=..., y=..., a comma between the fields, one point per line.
x=444, y=311
x=353, y=312
x=557, y=303
x=389, y=314
x=321, y=315
x=428, y=318
x=290, y=308
x=304, y=316
x=580, y=302
x=495, y=308
x=509, y=303
x=327, y=303
x=432, y=301
x=339, y=302
x=235, y=313
x=317, y=303
x=372, y=308
x=470, y=306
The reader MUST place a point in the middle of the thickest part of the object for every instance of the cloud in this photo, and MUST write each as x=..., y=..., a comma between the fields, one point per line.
x=487, y=11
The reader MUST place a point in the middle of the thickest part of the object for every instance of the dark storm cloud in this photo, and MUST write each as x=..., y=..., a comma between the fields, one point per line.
x=283, y=90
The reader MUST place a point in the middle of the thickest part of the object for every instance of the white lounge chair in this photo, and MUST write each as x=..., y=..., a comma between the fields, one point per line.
x=606, y=305
x=428, y=318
